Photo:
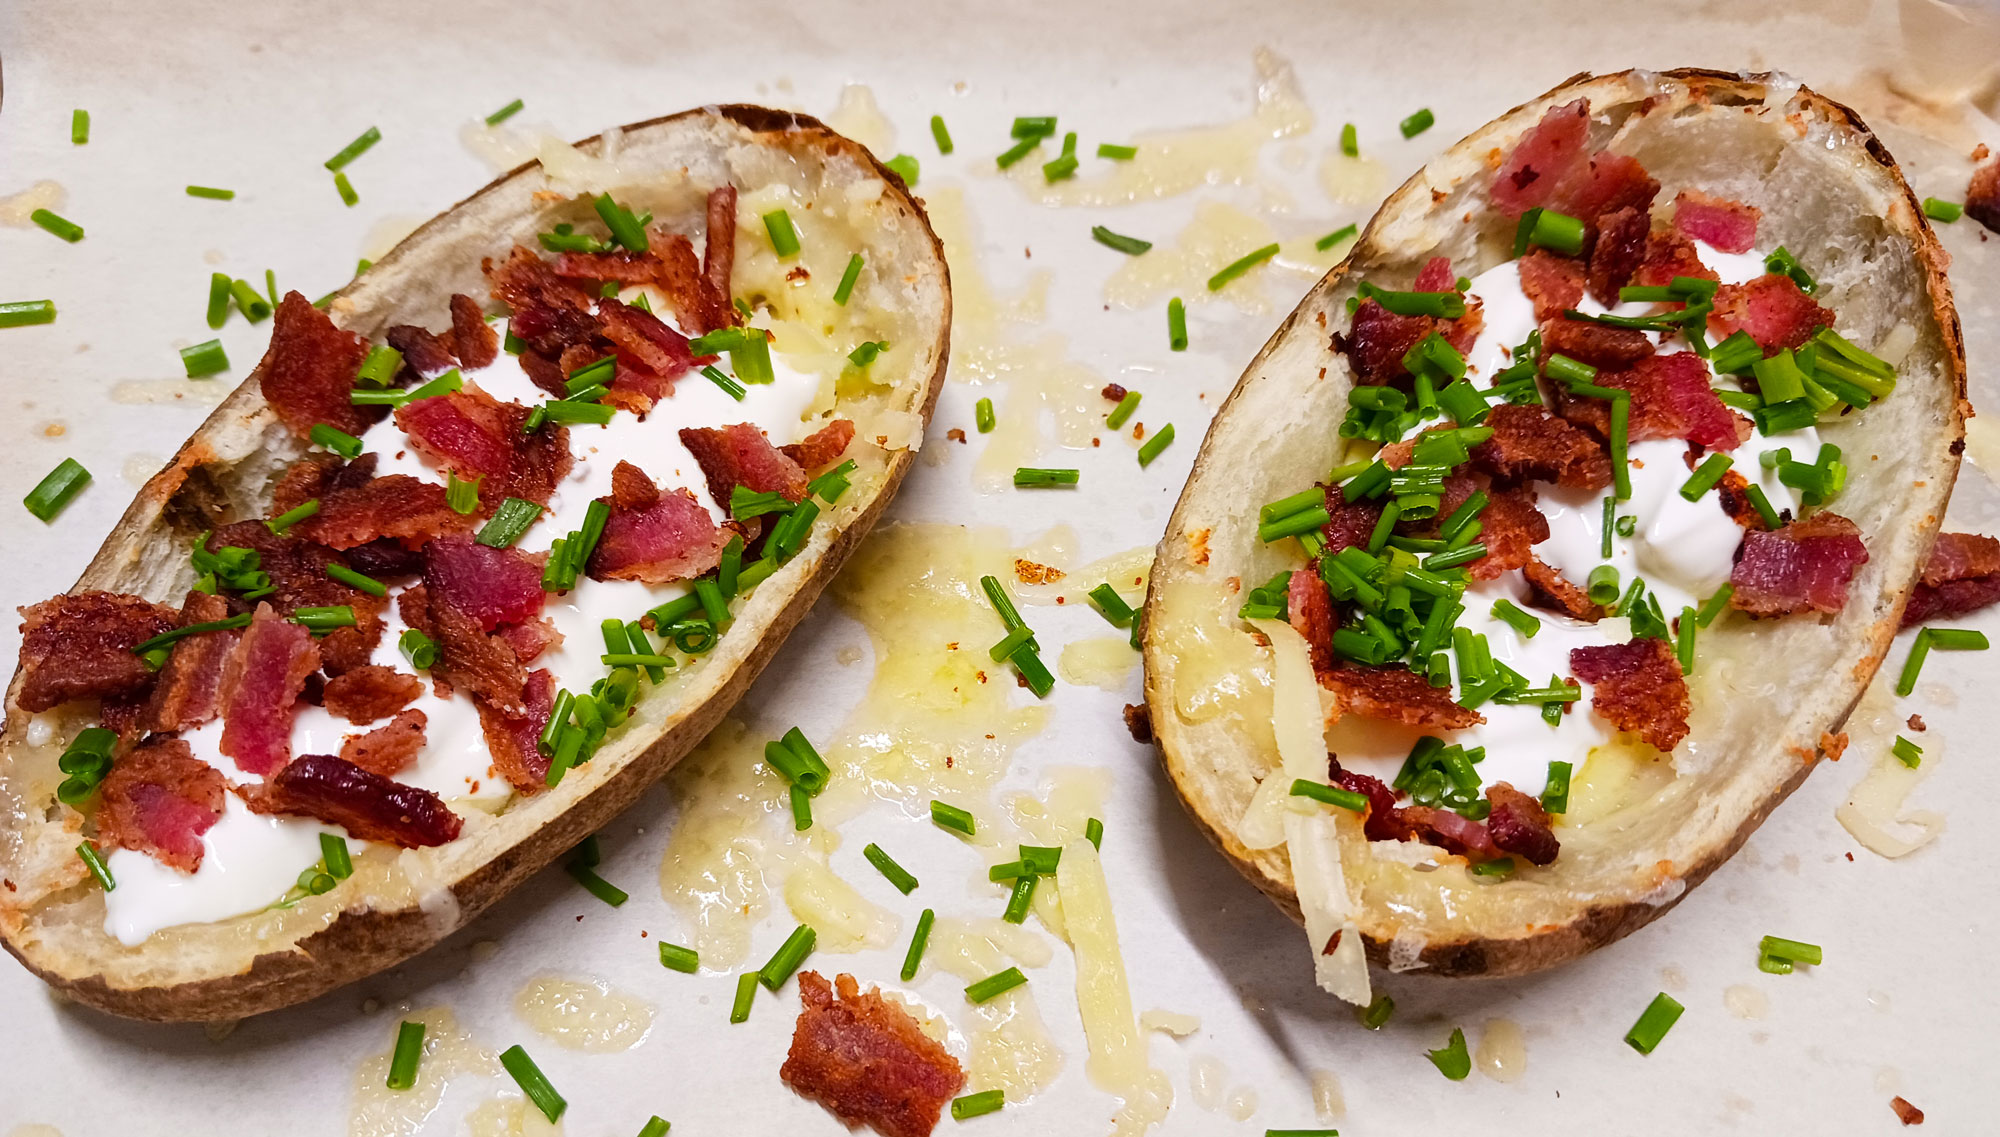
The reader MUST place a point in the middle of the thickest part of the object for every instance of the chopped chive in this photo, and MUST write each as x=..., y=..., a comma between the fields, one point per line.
x=1948, y=639
x=1123, y=410
x=409, y=1052
x=915, y=955
x=248, y=301
x=1653, y=1025
x=345, y=188
x=211, y=193
x=462, y=496
x=277, y=525
x=1034, y=126
x=626, y=228
x=1713, y=606
x=1511, y=614
x=1110, y=605
x=1010, y=870
x=167, y=638
x=1329, y=795
x=529, y=1077
x=1336, y=237
x=1777, y=955
x=349, y=577
x=271, y=286
x=1376, y=1014
x=752, y=361
x=97, y=867
x=975, y=1105
x=982, y=416
x=674, y=957
x=22, y=313
x=1706, y=476
x=378, y=368
x=1177, y=334
x=1555, y=796
x=509, y=522
x=1684, y=639
x=729, y=386
x=504, y=113
x=784, y=238
x=564, y=411
x=79, y=126
x=61, y=226
x=1093, y=831
x=887, y=866
x=1020, y=150
x=904, y=166
x=1031, y=477
x=1350, y=142
x=1040, y=859
x=1131, y=246
x=994, y=985
x=1602, y=585
x=940, y=135
x=787, y=958
x=746, y=990
x=354, y=150
x=1160, y=441
x=218, y=298
x=1907, y=752
x=590, y=851
x=1240, y=266
x=1019, y=899
x=596, y=885
x=657, y=1126
x=868, y=351
x=334, y=855
x=1059, y=168
x=953, y=818
x=802, y=808
x=1416, y=124
x=1451, y=1059
x=1945, y=211
x=325, y=618
x=1116, y=152
x=847, y=280
x=57, y=489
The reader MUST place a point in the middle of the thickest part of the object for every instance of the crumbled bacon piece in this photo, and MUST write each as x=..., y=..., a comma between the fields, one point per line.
x=479, y=437
x=473, y=340
x=1530, y=444
x=370, y=692
x=718, y=260
x=1451, y=831
x=822, y=446
x=123, y=715
x=1114, y=393
x=366, y=804
x=1509, y=526
x=1637, y=686
x=389, y=749
x=1670, y=254
x=188, y=691
x=1383, y=821
x=1554, y=283
x=1608, y=183
x=1730, y=226
x=423, y=352
x=867, y=1060
x=1350, y=524
x=1396, y=694
x=531, y=638
x=79, y=646
x=1600, y=345
x=550, y=313
x=1671, y=398
x=1771, y=308
x=1435, y=276
x=485, y=665
x=1982, y=195
x=652, y=536
x=399, y=508
x=309, y=370
x=1905, y=1112
x=298, y=571
x=1310, y=610
x=1544, y=157
x=740, y=455
x=261, y=682
x=1805, y=566
x=1962, y=575
x=306, y=479
x=494, y=587
x=1961, y=556
x=1548, y=589
x=651, y=355
x=512, y=738
x=1617, y=253
x=1733, y=492
x=1519, y=825
x=1377, y=339
x=158, y=800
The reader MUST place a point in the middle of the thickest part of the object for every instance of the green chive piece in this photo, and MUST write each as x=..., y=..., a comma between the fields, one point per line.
x=324, y=619
x=61, y=226
x=378, y=369
x=346, y=189
x=746, y=990
x=1555, y=797
x=915, y=955
x=1788, y=952
x=729, y=386
x=1602, y=585
x=1451, y=1059
x=975, y=1105
x=1343, y=233
x=982, y=416
x=1117, y=153
x=1131, y=246
x=1350, y=142
x=504, y=113
x=1019, y=899
x=211, y=193
x=994, y=985
x=22, y=313
x=462, y=496
x=1706, y=476
x=334, y=855
x=887, y=866
x=847, y=280
x=271, y=286
x=1177, y=333
x=1026, y=477
x=218, y=298
x=1713, y=606
x=1659, y=1018
x=906, y=167
x=656, y=1127
x=1377, y=1013
x=1949, y=639
x=1021, y=150
x=1110, y=605
x=1329, y=795
x=940, y=134
x=249, y=301
x=529, y=1077
x=409, y=1052
x=626, y=228
x=596, y=885
x=802, y=808
x=1160, y=441
x=1509, y=613
x=1093, y=831
x=79, y=126
x=1411, y=127
x=97, y=867
x=784, y=238
x=865, y=354
x=1907, y=752
x=352, y=151
x=787, y=958
x=508, y=523
x=352, y=579
x=1240, y=266
x=1123, y=410
x=685, y=960
x=57, y=489
x=951, y=817
x=1034, y=126
x=1944, y=211
x=277, y=525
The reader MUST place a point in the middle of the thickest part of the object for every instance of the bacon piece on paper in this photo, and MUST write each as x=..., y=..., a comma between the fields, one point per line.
x=1804, y=567
x=867, y=1060
x=1730, y=226
x=306, y=479
x=1396, y=694
x=370, y=692
x=1619, y=250
x=298, y=571
x=389, y=749
x=261, y=683
x=1545, y=157
x=550, y=313
x=366, y=804
x=821, y=447
x=189, y=689
x=1530, y=444
x=494, y=587
x=1310, y=610
x=1671, y=398
x=740, y=455
x=653, y=536
x=1962, y=575
x=512, y=738
x=1600, y=345
x=1519, y=825
x=309, y=370
x=423, y=352
x=79, y=646
x=158, y=800
x=1982, y=195
x=1509, y=526
x=473, y=340
x=1771, y=308
x=1549, y=590
x=1554, y=283
x=1670, y=254
x=478, y=436
x=1637, y=686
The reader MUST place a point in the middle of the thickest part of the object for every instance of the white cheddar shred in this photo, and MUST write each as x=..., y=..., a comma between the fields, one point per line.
x=1117, y=1061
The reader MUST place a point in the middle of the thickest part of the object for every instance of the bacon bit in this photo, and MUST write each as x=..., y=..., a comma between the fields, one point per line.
x=651, y=355
x=366, y=804
x=1435, y=276
x=1530, y=444
x=1377, y=338
x=398, y=507
x=655, y=537
x=306, y=479
x=550, y=313
x=423, y=352
x=1610, y=183
x=1544, y=157
x=1554, y=283
x=298, y=571
x=545, y=373
x=1451, y=832
x=531, y=638
x=479, y=437
x=512, y=738
x=1510, y=526
x=158, y=800
x=825, y=444
x=1029, y=572
x=473, y=340
x=1982, y=196
x=494, y=587
x=1519, y=825
x=1113, y=393
x=1905, y=1112
x=485, y=665
x=1548, y=589
x=1350, y=524
x=957, y=434
x=1961, y=556
x=1396, y=694
x=867, y=1060
x=1637, y=686
x=188, y=690
x=370, y=692
x=261, y=682
x=1671, y=398
x=1383, y=821
x=1729, y=226
x=79, y=646
x=1805, y=566
x=1310, y=610
x=718, y=259
x=388, y=750
x=309, y=369
x=1735, y=498
x=1916, y=723
x=1620, y=248
x=1599, y=345
x=1771, y=308
x=1139, y=723
x=1670, y=254
x=1332, y=942
x=1962, y=575
x=740, y=455
x=1833, y=745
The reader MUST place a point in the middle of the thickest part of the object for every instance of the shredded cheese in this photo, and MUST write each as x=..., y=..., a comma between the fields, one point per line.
x=1117, y=1060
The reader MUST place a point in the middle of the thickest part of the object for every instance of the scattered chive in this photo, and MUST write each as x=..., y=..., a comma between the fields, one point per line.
x=1131, y=246
x=1240, y=266
x=79, y=126
x=674, y=957
x=802, y=809
x=1376, y=1014
x=784, y=238
x=1350, y=141
x=1555, y=796
x=1762, y=504
x=277, y=525
x=1177, y=336
x=1602, y=585
x=61, y=226
x=1330, y=795
x=746, y=990
x=975, y=1105
x=462, y=496
x=1653, y=1025
x=1019, y=899
x=1110, y=605
x=1949, y=639
x=596, y=885
x=345, y=188
x=164, y=639
x=729, y=386
x=529, y=1077
x=352, y=151
x=953, y=818
x=1034, y=126
x=1944, y=211
x=887, y=866
x=1706, y=476
x=982, y=416
x=1059, y=168
x=211, y=193
x=271, y=286
x=868, y=351
x=1776, y=955
x=218, y=299
x=1416, y=124
x=22, y=313
x=248, y=301
x=508, y=522
x=1093, y=831
x=1027, y=477
x=97, y=867
x=352, y=579
x=1907, y=752
x=626, y=229
x=409, y=1051
x=847, y=280
x=904, y=166
x=57, y=490
x=1713, y=606
x=1336, y=237
x=656, y=1127
x=1116, y=152
x=940, y=134
x=1020, y=150
x=1451, y=1059
x=787, y=958
x=1123, y=410
x=1160, y=441
x=504, y=113
x=915, y=955
x=1509, y=613
x=994, y=985
x=325, y=618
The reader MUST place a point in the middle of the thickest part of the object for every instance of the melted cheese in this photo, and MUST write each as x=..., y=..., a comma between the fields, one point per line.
x=1117, y=1060
x=449, y=1051
x=587, y=1015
